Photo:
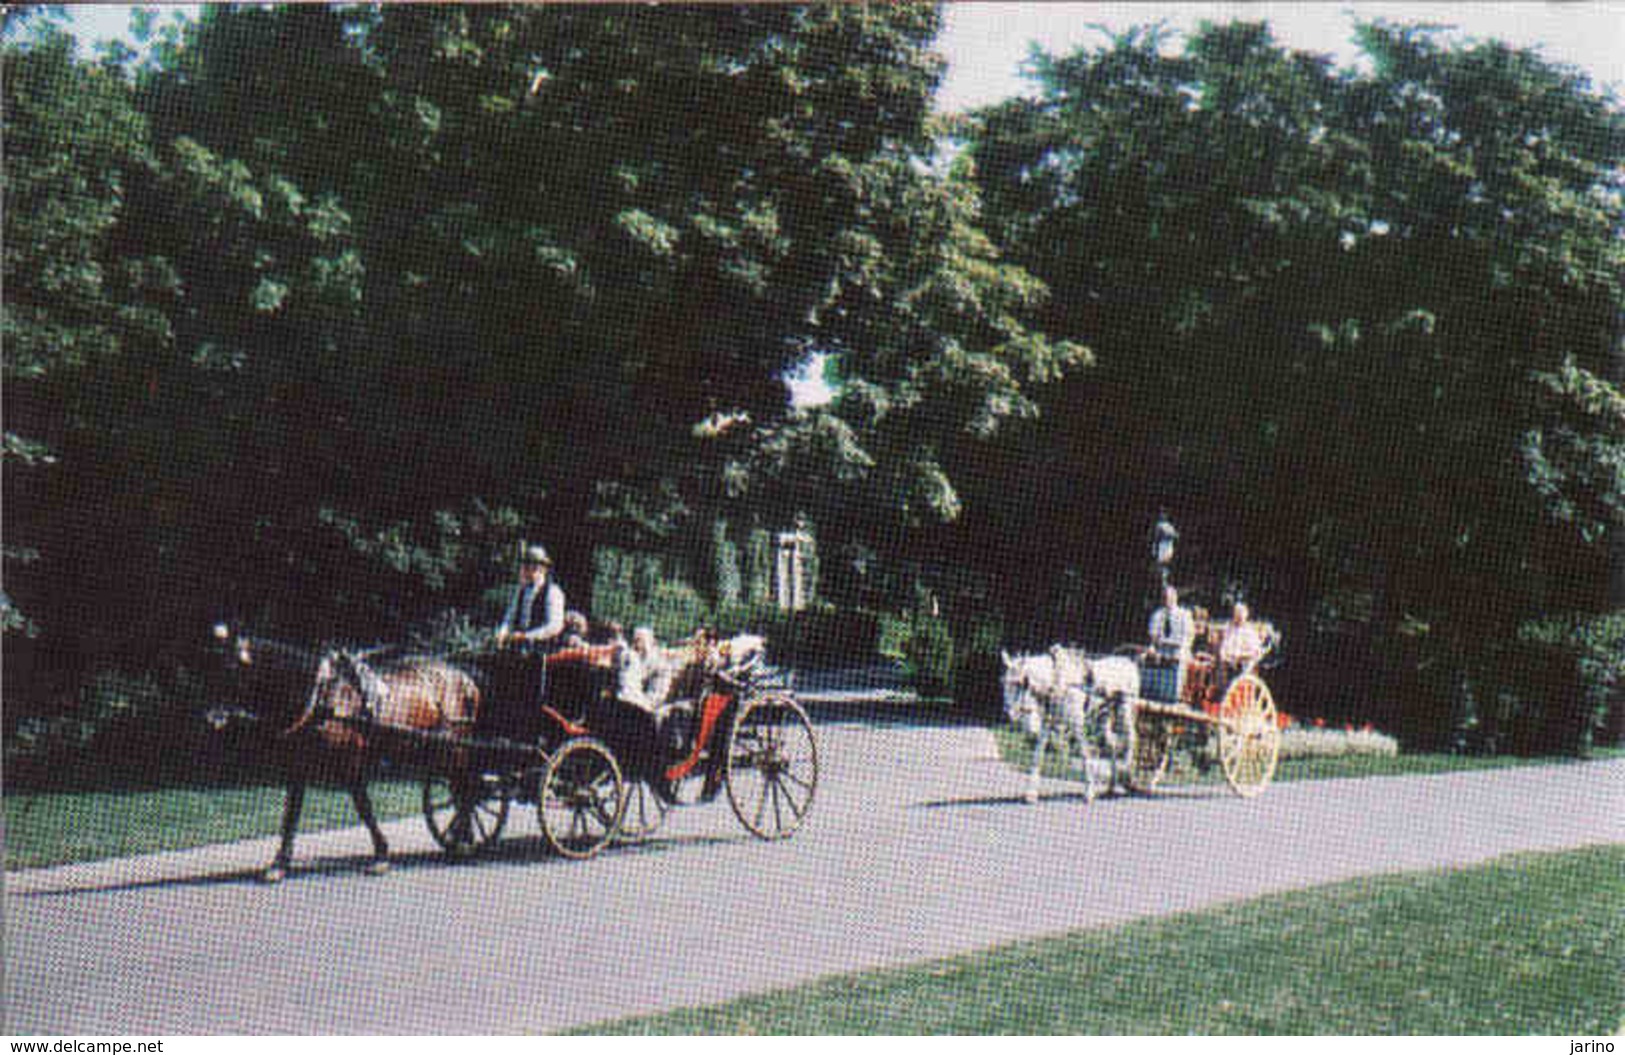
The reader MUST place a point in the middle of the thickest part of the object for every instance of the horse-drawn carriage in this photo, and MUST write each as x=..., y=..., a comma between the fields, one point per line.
x=1213, y=713
x=1224, y=713
x=725, y=728
x=591, y=778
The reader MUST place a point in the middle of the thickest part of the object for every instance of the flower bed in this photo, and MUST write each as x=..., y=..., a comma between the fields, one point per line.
x=1298, y=741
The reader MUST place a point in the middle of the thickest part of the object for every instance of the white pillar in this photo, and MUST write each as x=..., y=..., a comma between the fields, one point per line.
x=790, y=574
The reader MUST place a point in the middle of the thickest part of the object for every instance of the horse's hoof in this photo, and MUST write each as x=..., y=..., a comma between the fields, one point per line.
x=377, y=868
x=273, y=875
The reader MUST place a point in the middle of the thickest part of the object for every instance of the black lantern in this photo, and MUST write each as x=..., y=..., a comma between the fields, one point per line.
x=1163, y=536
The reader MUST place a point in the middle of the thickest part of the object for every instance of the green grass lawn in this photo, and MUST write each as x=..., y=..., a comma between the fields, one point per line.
x=1530, y=944
x=59, y=828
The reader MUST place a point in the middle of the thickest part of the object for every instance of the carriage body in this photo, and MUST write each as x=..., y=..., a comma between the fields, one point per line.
x=1220, y=712
x=723, y=728
x=596, y=777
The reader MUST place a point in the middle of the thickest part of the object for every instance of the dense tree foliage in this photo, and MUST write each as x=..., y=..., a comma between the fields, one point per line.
x=1355, y=329
x=438, y=276
x=312, y=311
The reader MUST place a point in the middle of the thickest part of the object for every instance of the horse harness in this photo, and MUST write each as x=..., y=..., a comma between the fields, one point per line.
x=352, y=668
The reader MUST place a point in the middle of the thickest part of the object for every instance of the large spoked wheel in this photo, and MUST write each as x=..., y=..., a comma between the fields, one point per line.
x=1153, y=746
x=579, y=803
x=772, y=766
x=643, y=813
x=465, y=812
x=1249, y=736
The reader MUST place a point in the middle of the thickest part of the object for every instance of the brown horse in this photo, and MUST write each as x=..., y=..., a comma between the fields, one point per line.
x=330, y=716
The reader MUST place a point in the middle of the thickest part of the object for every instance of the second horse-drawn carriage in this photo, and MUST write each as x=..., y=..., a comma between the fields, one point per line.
x=1128, y=715
x=1221, y=713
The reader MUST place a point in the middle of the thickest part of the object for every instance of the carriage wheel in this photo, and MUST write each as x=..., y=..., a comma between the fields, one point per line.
x=1153, y=747
x=1249, y=736
x=643, y=813
x=772, y=766
x=465, y=812
x=580, y=801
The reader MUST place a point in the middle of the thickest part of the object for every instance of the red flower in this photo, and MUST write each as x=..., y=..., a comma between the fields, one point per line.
x=1320, y=723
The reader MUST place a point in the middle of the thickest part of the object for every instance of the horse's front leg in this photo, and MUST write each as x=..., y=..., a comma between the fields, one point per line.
x=293, y=804
x=363, y=807
x=1087, y=758
x=1031, y=794
x=1107, y=721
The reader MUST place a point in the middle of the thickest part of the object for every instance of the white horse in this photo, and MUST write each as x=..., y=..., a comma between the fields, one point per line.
x=1069, y=697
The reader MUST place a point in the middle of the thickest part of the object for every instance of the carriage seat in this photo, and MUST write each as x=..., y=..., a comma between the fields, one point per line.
x=580, y=677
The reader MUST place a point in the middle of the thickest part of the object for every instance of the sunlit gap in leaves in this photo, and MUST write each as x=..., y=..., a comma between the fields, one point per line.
x=812, y=381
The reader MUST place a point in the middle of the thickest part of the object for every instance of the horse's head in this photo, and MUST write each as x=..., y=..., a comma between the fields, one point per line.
x=261, y=682
x=1024, y=680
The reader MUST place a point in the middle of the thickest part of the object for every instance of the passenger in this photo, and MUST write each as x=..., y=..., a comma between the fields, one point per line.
x=611, y=632
x=631, y=722
x=645, y=671
x=576, y=630
x=1243, y=645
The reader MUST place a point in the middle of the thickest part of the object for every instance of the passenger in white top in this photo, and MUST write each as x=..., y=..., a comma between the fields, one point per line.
x=1242, y=643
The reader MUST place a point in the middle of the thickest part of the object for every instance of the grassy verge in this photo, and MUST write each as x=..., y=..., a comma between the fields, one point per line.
x=59, y=828
x=1017, y=751
x=1526, y=945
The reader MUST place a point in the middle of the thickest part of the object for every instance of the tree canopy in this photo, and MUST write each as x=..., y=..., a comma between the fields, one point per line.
x=1360, y=330
x=435, y=276
x=312, y=311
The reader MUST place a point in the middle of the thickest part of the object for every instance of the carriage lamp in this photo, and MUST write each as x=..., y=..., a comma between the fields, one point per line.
x=1162, y=541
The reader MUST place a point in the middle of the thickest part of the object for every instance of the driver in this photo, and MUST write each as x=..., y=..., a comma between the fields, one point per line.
x=1172, y=632
x=535, y=615
x=533, y=624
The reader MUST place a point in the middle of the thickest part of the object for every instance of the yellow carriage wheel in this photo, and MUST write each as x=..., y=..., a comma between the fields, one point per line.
x=1249, y=736
x=581, y=798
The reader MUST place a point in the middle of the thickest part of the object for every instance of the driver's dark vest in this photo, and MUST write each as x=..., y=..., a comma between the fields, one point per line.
x=528, y=616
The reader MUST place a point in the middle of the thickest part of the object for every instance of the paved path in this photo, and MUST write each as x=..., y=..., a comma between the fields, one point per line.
x=918, y=847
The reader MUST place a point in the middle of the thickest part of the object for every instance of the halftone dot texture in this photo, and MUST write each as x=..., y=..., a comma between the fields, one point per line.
x=387, y=312
x=918, y=847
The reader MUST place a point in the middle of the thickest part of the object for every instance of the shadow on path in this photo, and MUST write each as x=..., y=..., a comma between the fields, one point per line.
x=525, y=852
